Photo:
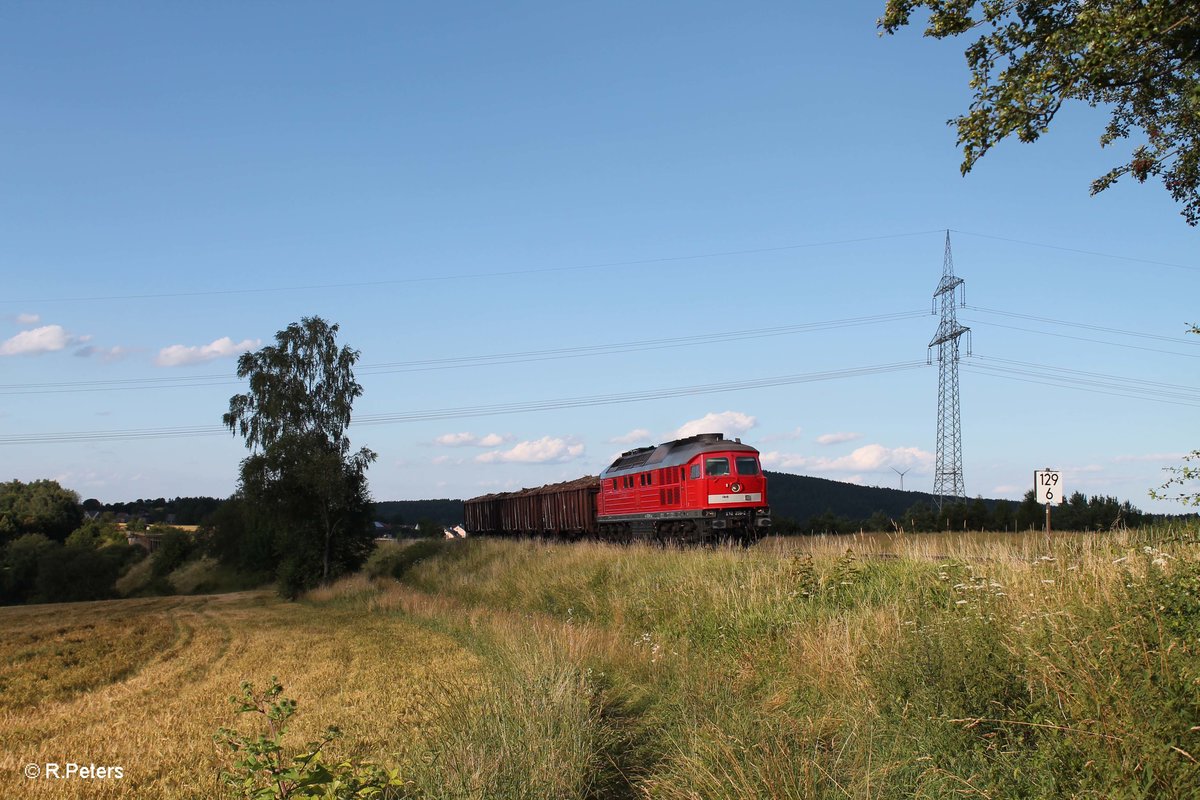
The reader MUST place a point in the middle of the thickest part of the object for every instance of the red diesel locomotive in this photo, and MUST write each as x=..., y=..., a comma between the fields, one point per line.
x=701, y=488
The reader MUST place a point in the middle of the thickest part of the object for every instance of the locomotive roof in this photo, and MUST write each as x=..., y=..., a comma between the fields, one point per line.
x=673, y=454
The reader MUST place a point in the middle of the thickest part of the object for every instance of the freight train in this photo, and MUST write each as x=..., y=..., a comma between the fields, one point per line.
x=703, y=488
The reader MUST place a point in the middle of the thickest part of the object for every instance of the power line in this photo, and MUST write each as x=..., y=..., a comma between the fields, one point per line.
x=1047, y=380
x=636, y=346
x=1068, y=371
x=468, y=275
x=479, y=411
x=1089, y=326
x=1086, y=339
x=1081, y=252
x=1094, y=382
x=575, y=268
x=526, y=356
x=630, y=397
x=492, y=359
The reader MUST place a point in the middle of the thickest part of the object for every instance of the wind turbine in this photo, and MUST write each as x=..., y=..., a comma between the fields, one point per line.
x=901, y=474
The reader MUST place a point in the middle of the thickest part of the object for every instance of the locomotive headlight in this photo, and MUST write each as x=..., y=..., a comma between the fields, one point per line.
x=736, y=488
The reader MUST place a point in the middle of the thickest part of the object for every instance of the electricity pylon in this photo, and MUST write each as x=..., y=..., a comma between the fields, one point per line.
x=948, y=476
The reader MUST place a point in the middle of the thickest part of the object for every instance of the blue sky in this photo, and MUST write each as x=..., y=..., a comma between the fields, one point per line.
x=730, y=192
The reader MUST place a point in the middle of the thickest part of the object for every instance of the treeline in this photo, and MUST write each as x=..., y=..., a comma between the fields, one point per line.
x=447, y=513
x=802, y=504
x=51, y=551
x=55, y=548
x=177, y=511
x=1079, y=513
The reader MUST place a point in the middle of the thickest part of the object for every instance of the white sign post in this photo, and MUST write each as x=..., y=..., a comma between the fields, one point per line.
x=1048, y=486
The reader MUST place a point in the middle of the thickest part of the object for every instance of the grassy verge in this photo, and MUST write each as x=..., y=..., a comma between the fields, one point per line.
x=1002, y=667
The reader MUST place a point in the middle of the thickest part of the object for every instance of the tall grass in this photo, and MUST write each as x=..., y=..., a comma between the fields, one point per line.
x=1007, y=666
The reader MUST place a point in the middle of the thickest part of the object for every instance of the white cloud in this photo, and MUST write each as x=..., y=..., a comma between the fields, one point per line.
x=45, y=339
x=493, y=440
x=727, y=422
x=868, y=458
x=178, y=355
x=28, y=319
x=546, y=450
x=470, y=440
x=636, y=436
x=838, y=438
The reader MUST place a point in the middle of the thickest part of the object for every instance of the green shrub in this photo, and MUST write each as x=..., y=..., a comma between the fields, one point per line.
x=174, y=548
x=261, y=768
x=66, y=574
x=19, y=566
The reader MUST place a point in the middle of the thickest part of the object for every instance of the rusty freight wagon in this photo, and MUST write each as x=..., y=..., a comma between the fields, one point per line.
x=565, y=509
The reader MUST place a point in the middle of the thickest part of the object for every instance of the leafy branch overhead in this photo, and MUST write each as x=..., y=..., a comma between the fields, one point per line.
x=1139, y=58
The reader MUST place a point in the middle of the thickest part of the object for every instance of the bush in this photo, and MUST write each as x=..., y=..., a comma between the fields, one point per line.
x=19, y=566
x=261, y=769
x=68, y=574
x=297, y=574
x=173, y=550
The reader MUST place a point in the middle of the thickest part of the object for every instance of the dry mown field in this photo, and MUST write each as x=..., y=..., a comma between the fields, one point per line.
x=144, y=684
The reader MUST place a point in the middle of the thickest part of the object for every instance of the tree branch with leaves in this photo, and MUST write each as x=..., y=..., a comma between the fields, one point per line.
x=1139, y=58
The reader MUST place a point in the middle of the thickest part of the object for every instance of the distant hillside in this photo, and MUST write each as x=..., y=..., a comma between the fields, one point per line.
x=410, y=512
x=800, y=497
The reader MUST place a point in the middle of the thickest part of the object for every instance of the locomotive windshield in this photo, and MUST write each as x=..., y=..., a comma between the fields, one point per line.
x=716, y=466
x=747, y=465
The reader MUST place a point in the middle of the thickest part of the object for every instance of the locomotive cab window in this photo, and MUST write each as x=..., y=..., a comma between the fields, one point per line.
x=695, y=471
x=716, y=466
x=747, y=465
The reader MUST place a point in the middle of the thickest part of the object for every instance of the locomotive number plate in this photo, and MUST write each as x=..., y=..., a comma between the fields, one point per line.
x=748, y=497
